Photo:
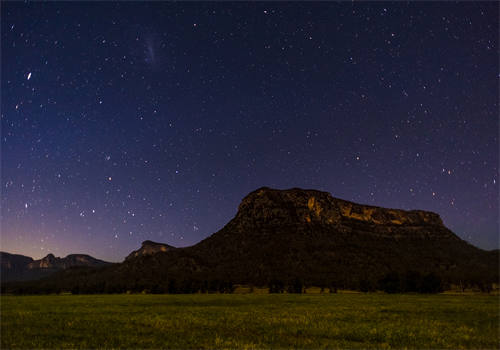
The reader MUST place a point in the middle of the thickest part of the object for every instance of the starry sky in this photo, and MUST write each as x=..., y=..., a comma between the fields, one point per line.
x=123, y=122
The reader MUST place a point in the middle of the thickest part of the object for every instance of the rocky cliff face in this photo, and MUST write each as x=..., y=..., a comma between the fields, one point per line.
x=44, y=263
x=268, y=206
x=297, y=210
x=149, y=248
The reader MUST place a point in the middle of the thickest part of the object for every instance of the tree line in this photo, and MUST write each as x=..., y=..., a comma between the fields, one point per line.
x=88, y=281
x=390, y=283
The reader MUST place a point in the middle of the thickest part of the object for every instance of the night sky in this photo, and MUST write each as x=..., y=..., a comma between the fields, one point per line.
x=123, y=122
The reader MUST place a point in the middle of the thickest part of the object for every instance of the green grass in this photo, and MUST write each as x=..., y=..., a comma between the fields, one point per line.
x=250, y=321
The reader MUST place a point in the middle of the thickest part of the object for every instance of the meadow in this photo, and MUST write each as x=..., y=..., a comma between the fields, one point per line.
x=250, y=321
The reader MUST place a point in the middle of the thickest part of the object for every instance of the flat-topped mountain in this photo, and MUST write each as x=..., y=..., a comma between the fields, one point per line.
x=314, y=236
x=149, y=248
x=20, y=267
x=305, y=235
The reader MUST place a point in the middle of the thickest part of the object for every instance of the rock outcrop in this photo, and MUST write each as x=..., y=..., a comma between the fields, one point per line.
x=47, y=262
x=149, y=248
x=268, y=206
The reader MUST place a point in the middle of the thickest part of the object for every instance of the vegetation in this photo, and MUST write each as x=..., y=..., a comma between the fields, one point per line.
x=371, y=320
x=84, y=280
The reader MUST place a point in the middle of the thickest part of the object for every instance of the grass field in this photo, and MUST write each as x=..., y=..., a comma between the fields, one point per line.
x=250, y=321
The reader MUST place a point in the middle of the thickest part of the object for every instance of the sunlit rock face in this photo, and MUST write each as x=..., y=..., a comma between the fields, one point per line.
x=47, y=262
x=270, y=207
x=149, y=248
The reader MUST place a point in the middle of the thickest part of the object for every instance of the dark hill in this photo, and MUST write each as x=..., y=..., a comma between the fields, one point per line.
x=306, y=235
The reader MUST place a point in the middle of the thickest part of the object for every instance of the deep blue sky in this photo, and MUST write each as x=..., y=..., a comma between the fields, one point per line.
x=123, y=122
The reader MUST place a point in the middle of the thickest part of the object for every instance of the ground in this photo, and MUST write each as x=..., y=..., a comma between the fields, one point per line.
x=250, y=321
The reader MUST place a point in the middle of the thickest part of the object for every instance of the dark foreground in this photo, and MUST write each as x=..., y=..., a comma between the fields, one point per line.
x=250, y=321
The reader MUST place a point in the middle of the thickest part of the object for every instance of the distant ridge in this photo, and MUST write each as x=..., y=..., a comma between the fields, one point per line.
x=17, y=267
x=300, y=235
